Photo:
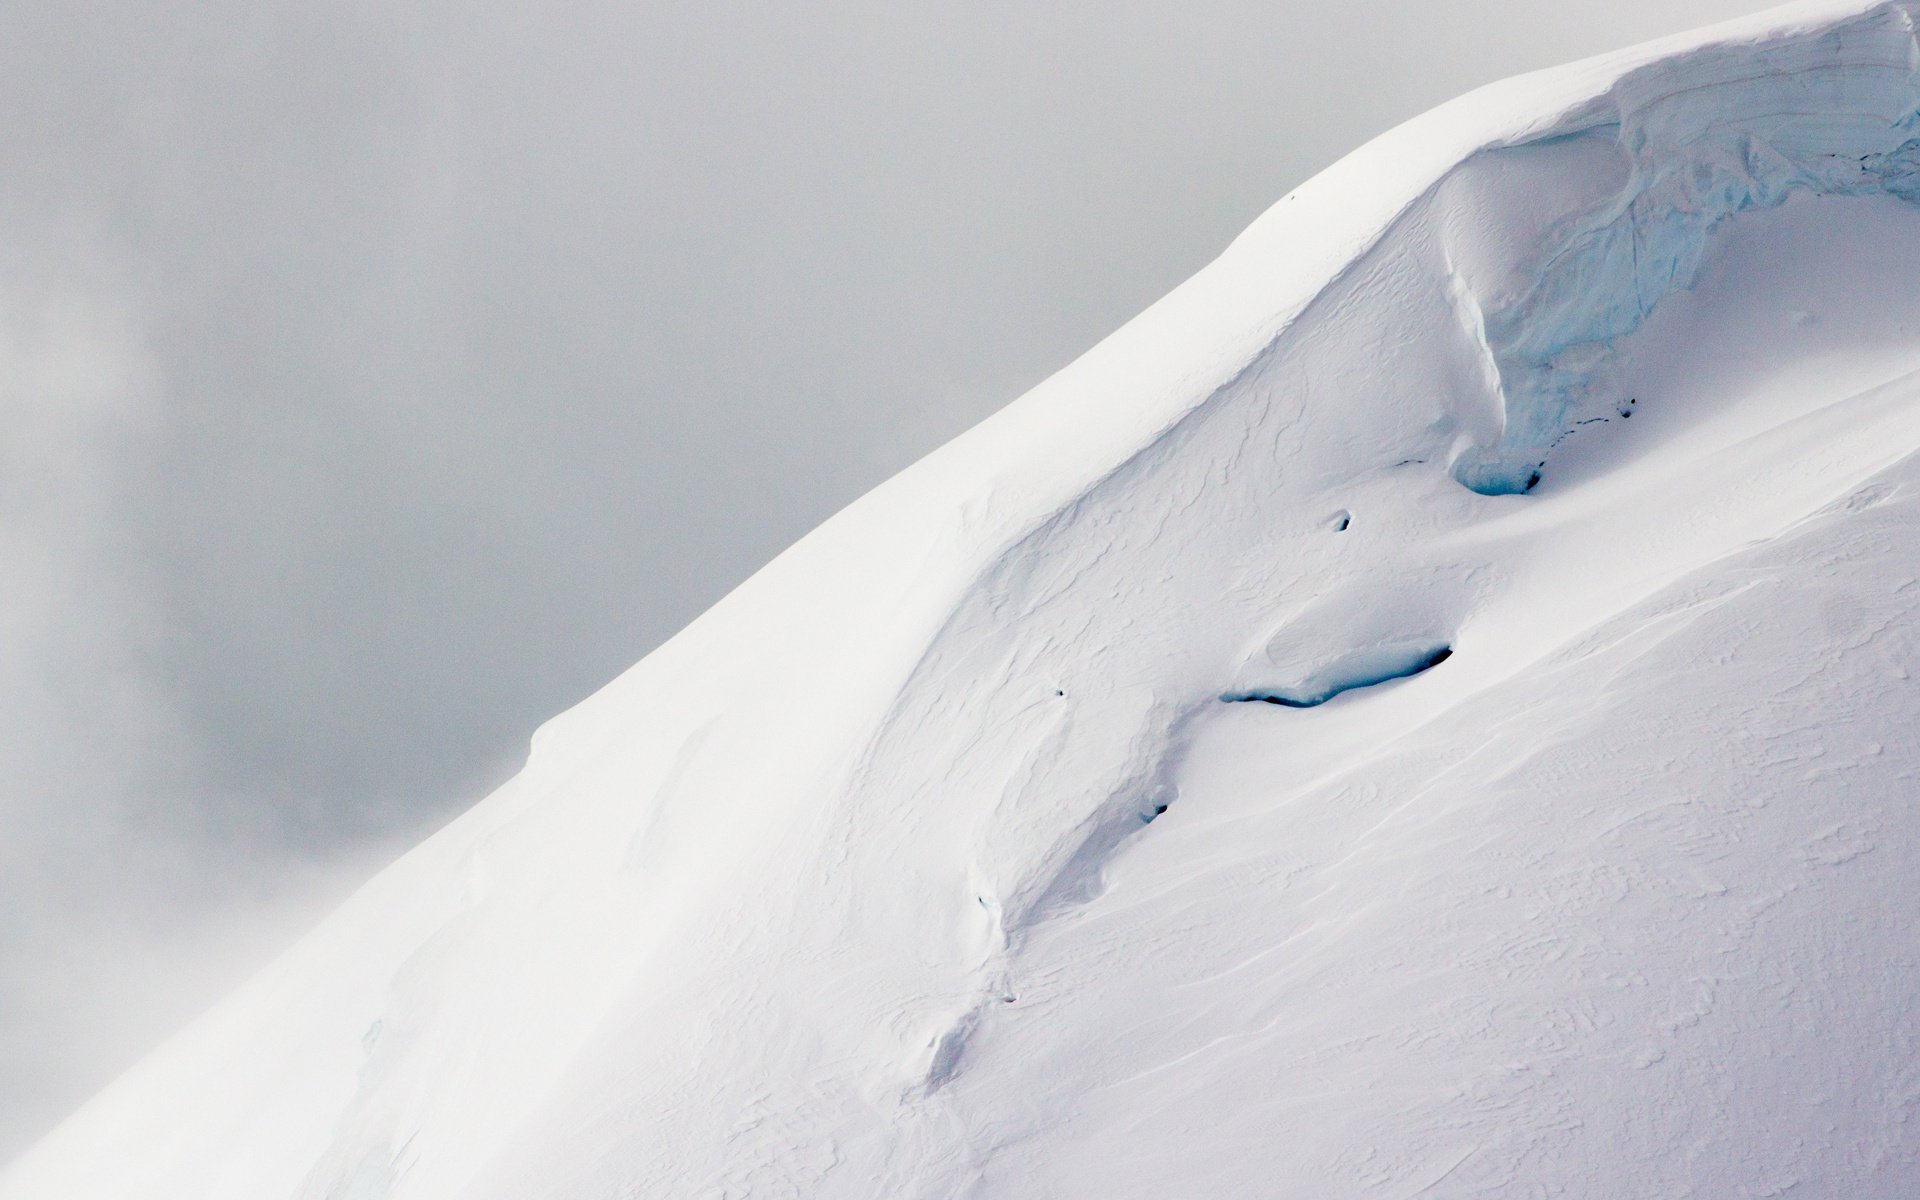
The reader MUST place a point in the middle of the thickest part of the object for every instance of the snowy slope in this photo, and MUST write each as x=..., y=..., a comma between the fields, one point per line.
x=955, y=854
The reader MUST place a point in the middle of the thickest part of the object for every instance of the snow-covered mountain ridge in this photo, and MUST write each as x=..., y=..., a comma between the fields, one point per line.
x=1571, y=857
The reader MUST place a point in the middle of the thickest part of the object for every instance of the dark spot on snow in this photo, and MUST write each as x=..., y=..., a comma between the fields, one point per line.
x=1147, y=818
x=1058, y=692
x=1577, y=425
x=1504, y=479
x=1341, y=520
x=1378, y=671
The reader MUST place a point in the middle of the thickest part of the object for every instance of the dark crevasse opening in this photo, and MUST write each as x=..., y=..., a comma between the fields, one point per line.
x=1363, y=669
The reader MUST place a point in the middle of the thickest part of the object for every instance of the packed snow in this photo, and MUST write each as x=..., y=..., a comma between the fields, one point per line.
x=1548, y=469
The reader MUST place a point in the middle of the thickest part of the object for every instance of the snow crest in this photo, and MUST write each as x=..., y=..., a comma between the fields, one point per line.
x=908, y=869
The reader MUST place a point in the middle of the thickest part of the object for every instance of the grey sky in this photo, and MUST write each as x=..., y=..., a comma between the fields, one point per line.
x=380, y=378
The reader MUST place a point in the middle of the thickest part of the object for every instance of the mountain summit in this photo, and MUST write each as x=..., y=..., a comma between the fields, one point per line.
x=1426, y=709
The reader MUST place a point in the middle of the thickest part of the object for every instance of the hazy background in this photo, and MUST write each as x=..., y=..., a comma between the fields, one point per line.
x=379, y=378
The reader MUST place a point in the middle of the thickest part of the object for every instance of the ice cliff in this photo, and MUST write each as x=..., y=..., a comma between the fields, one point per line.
x=1652, y=167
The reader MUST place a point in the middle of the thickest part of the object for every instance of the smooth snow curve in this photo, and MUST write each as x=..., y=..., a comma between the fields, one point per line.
x=931, y=863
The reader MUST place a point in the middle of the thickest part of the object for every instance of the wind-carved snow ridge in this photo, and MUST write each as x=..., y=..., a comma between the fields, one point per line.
x=1042, y=725
x=1673, y=150
x=871, y=932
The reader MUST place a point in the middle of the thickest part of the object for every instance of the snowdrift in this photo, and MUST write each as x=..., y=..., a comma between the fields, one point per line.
x=1547, y=464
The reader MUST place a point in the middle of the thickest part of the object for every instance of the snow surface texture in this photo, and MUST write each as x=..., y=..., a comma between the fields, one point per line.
x=934, y=863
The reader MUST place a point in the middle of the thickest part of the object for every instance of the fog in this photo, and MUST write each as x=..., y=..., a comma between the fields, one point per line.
x=379, y=379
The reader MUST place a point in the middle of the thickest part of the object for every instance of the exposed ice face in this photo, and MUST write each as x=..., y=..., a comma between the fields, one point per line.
x=1672, y=151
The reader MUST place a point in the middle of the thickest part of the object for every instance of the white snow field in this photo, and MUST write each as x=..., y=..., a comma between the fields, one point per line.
x=956, y=854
